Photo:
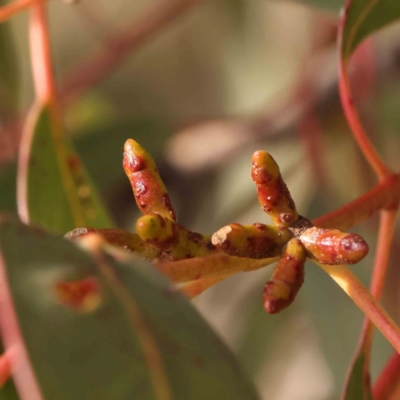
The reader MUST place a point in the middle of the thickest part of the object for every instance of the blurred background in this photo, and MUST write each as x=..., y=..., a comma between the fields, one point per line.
x=202, y=85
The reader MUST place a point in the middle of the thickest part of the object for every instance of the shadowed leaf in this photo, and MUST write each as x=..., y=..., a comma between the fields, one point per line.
x=54, y=190
x=8, y=70
x=104, y=329
x=332, y=6
x=357, y=388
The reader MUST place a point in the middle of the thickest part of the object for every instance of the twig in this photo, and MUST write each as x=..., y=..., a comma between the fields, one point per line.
x=99, y=65
x=389, y=379
x=346, y=97
x=15, y=7
x=365, y=301
x=194, y=288
x=385, y=238
x=385, y=195
x=210, y=266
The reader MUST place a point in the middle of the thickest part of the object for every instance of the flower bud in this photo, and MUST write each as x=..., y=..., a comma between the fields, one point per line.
x=252, y=241
x=150, y=192
x=334, y=247
x=287, y=278
x=273, y=193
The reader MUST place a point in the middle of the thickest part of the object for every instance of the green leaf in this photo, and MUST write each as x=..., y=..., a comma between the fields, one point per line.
x=140, y=337
x=54, y=189
x=257, y=342
x=108, y=139
x=8, y=189
x=364, y=17
x=8, y=70
x=357, y=386
x=332, y=6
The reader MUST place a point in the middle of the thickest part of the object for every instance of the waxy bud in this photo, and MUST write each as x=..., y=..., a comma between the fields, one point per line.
x=157, y=230
x=252, y=241
x=287, y=278
x=175, y=241
x=149, y=190
x=333, y=247
x=273, y=193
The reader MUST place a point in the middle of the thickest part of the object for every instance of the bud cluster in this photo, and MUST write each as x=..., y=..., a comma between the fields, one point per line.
x=161, y=239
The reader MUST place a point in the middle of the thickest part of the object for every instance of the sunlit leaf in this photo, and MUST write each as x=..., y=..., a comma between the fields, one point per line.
x=358, y=387
x=54, y=190
x=108, y=330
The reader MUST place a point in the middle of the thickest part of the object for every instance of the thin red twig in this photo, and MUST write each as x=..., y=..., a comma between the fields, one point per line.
x=385, y=238
x=385, y=195
x=23, y=374
x=15, y=7
x=364, y=300
x=350, y=111
x=386, y=232
x=42, y=68
x=5, y=367
x=98, y=65
x=389, y=379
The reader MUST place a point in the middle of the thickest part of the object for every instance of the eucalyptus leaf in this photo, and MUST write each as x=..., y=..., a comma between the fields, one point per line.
x=54, y=190
x=8, y=189
x=141, y=339
x=255, y=347
x=331, y=6
x=358, y=388
x=8, y=70
x=364, y=17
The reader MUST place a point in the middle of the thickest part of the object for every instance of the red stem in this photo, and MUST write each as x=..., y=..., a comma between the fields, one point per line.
x=15, y=7
x=100, y=64
x=364, y=300
x=5, y=367
x=389, y=379
x=385, y=195
x=385, y=238
x=350, y=111
x=42, y=68
x=23, y=374
x=386, y=232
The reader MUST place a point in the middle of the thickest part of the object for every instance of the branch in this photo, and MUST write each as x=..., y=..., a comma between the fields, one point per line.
x=389, y=380
x=98, y=65
x=5, y=367
x=365, y=301
x=194, y=288
x=210, y=266
x=7, y=11
x=385, y=195
x=385, y=238
x=42, y=68
x=346, y=97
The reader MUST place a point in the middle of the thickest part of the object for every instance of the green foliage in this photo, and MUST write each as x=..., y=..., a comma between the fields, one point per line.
x=54, y=189
x=365, y=17
x=101, y=353
x=9, y=84
x=137, y=309
x=358, y=388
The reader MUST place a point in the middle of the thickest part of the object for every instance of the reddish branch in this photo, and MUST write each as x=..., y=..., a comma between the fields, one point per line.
x=15, y=7
x=385, y=195
x=98, y=65
x=350, y=111
x=388, y=382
